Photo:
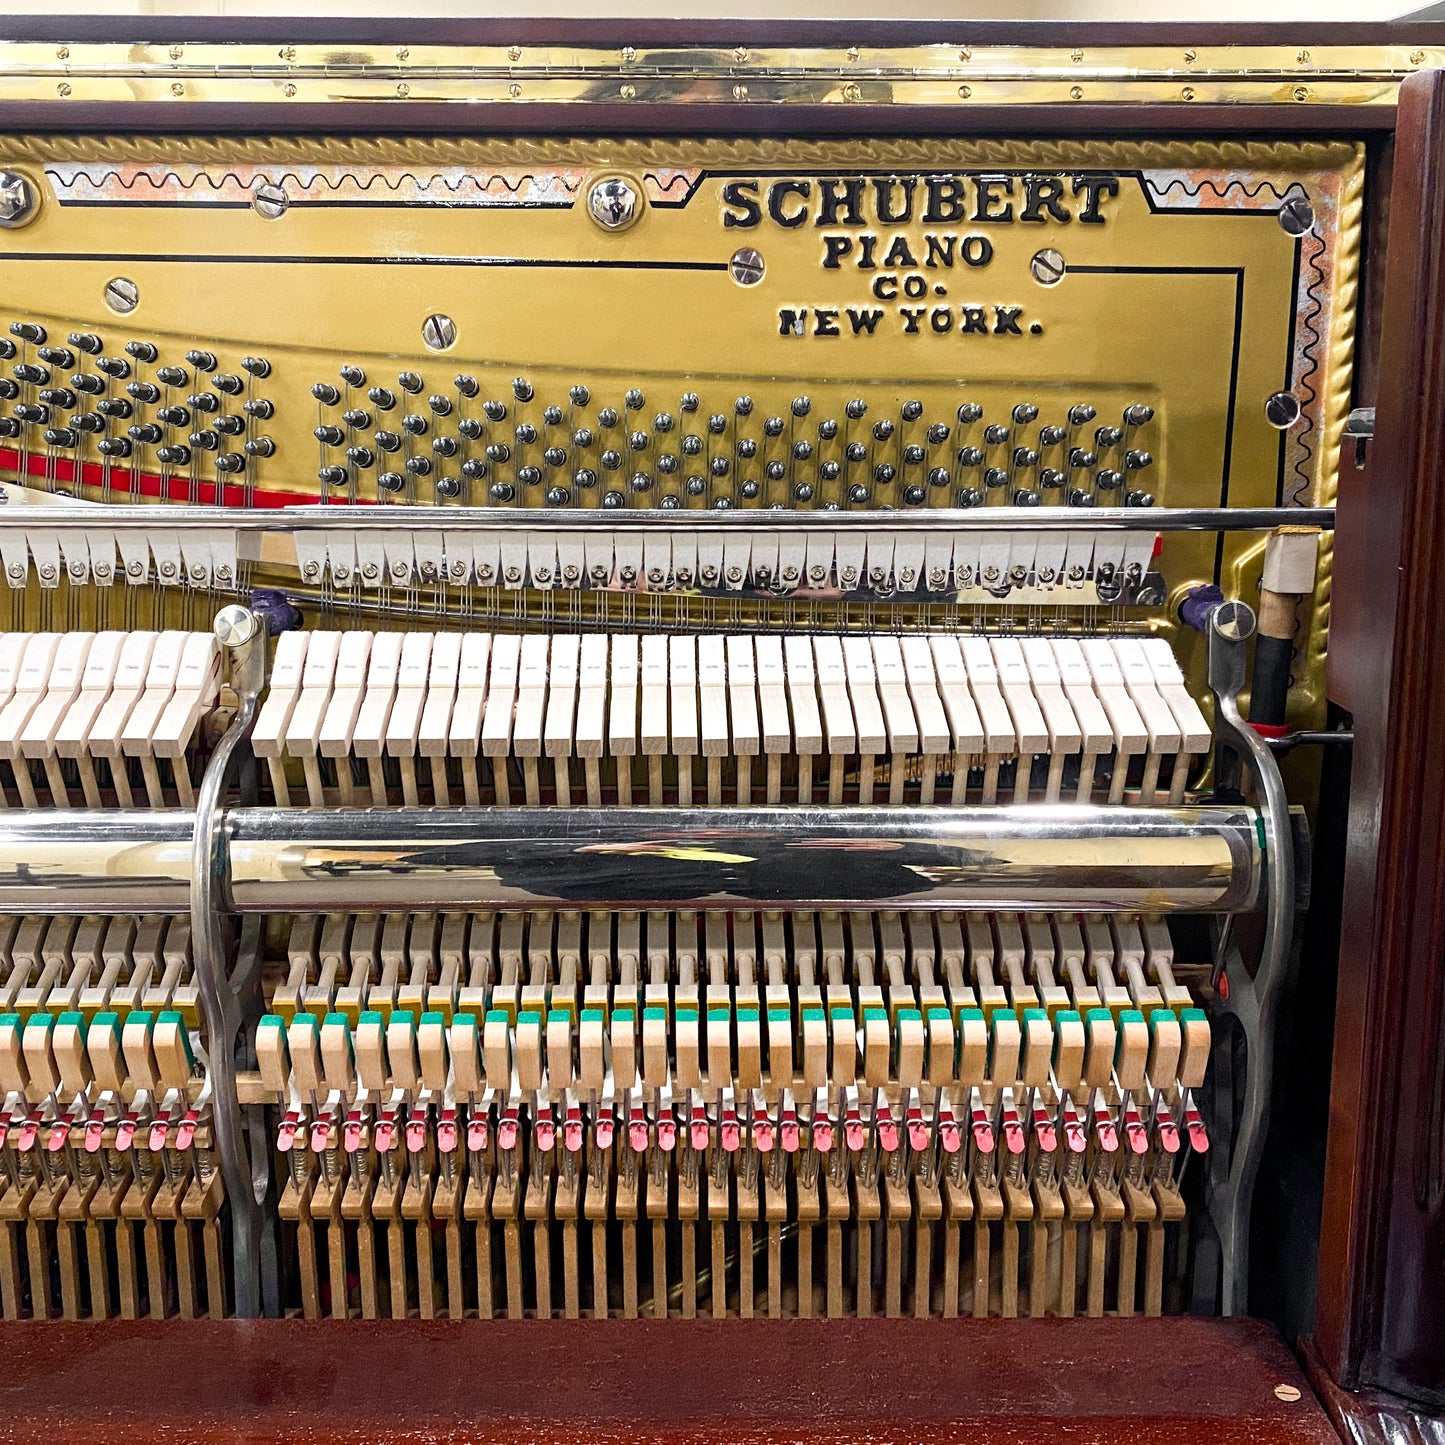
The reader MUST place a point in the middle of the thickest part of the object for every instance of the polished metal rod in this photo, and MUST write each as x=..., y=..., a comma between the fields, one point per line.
x=902, y=857
x=77, y=516
x=1069, y=858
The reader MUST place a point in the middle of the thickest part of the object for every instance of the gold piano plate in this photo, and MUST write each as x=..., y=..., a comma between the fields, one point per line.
x=696, y=323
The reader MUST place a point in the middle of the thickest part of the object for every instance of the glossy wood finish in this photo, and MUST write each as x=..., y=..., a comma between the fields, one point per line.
x=1382, y=1264
x=1168, y=1382
x=1371, y=1417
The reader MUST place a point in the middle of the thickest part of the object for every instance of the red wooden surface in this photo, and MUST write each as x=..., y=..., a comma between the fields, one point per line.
x=1166, y=1382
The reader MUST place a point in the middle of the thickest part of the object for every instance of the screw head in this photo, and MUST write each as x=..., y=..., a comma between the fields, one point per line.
x=1296, y=215
x=1290, y=1394
x=852, y=91
x=747, y=266
x=122, y=295
x=613, y=203
x=1282, y=409
x=514, y=53
x=438, y=332
x=269, y=201
x=235, y=625
x=1047, y=267
x=19, y=200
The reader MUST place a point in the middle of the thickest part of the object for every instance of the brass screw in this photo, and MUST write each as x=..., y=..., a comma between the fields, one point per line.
x=852, y=92
x=288, y=90
x=1190, y=56
x=288, y=54
x=1303, y=57
x=515, y=53
x=740, y=92
x=177, y=51
x=741, y=55
x=853, y=53
x=627, y=92
x=514, y=90
x=1076, y=92
x=177, y=88
x=402, y=53
x=964, y=91
x=62, y=52
x=628, y=55
x=1301, y=92
x=402, y=90
x=1417, y=57
x=966, y=53
x=1188, y=92
x=62, y=90
x=1288, y=1393
x=1077, y=57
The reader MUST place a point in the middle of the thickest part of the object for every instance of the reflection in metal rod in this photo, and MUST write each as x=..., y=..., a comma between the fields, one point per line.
x=272, y=860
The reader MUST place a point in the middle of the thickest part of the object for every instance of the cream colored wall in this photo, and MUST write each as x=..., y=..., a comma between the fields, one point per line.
x=746, y=9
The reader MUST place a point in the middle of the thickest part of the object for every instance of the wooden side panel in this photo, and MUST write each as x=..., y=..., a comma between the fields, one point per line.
x=1382, y=1266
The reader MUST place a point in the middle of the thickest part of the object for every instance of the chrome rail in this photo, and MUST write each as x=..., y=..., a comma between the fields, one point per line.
x=69, y=514
x=1069, y=858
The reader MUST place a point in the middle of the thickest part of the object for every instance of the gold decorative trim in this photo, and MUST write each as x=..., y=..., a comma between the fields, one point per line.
x=210, y=73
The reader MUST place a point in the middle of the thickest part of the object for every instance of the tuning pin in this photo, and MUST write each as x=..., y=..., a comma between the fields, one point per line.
x=60, y=396
x=260, y=447
x=172, y=375
x=230, y=462
x=717, y=424
x=414, y=424
x=1051, y=436
x=1025, y=457
x=334, y=476
x=690, y=402
x=613, y=500
x=501, y=492
x=256, y=366
x=1080, y=498
x=1137, y=461
x=529, y=476
x=362, y=457
x=114, y=447
x=116, y=367
x=1139, y=499
x=995, y=477
x=1025, y=497
x=86, y=341
x=1051, y=477
x=260, y=408
x=1025, y=412
x=325, y=393
x=36, y=415
x=449, y=487
x=494, y=410
x=419, y=466
x=440, y=405
x=202, y=360
x=231, y=426
x=61, y=356
x=882, y=430
x=61, y=436
x=32, y=375
x=444, y=446
x=1108, y=436
x=205, y=401
x=173, y=455
x=585, y=478
x=28, y=331
x=329, y=436
x=579, y=395
x=1138, y=414
x=1108, y=480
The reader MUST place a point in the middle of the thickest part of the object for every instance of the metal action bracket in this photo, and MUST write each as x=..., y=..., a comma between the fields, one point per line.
x=1250, y=1000
x=222, y=990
